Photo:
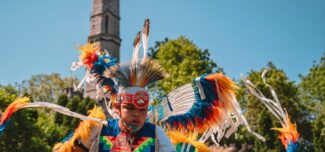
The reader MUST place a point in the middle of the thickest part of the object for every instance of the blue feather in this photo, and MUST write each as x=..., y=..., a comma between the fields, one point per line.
x=208, y=87
x=292, y=147
x=98, y=69
x=106, y=61
x=200, y=108
x=4, y=126
x=67, y=137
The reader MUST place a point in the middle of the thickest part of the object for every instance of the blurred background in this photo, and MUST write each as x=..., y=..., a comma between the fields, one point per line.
x=39, y=41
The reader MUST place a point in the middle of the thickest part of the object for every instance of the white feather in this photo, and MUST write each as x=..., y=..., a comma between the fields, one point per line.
x=76, y=65
x=62, y=110
x=274, y=105
x=144, y=39
x=136, y=52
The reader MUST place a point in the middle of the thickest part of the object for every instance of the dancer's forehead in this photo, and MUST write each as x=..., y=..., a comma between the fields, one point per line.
x=131, y=90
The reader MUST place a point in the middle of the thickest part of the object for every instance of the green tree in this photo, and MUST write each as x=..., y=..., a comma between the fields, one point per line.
x=48, y=87
x=319, y=133
x=182, y=60
x=56, y=126
x=312, y=92
x=52, y=132
x=21, y=135
x=312, y=86
x=75, y=104
x=39, y=129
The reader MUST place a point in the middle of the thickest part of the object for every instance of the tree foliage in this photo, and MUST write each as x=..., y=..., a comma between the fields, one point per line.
x=40, y=129
x=312, y=92
x=22, y=133
x=312, y=86
x=47, y=88
x=182, y=60
x=75, y=104
x=319, y=133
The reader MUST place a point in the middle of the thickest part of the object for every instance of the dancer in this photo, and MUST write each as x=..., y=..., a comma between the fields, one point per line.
x=205, y=108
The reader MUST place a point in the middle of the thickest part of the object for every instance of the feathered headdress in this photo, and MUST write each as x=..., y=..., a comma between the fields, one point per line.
x=120, y=80
x=134, y=76
x=139, y=72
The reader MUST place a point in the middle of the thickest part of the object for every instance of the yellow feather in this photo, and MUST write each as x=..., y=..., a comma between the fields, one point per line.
x=88, y=49
x=177, y=137
x=83, y=131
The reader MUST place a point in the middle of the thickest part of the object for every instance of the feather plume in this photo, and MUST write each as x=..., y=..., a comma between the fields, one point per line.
x=139, y=75
x=145, y=34
x=89, y=54
x=63, y=110
x=13, y=107
x=136, y=47
x=289, y=134
x=97, y=63
x=21, y=103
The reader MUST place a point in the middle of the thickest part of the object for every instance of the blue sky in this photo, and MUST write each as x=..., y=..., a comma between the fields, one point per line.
x=38, y=36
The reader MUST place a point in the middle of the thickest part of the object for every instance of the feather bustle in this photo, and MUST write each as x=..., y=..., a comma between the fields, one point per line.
x=208, y=103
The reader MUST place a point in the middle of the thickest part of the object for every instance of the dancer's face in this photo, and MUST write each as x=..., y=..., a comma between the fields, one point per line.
x=130, y=114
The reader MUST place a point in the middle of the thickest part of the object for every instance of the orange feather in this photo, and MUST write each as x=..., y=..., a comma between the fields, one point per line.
x=13, y=107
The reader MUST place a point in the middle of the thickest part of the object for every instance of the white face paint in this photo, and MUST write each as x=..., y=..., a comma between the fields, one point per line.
x=137, y=96
x=140, y=101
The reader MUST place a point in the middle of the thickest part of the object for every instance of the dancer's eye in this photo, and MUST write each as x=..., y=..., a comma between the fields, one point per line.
x=128, y=107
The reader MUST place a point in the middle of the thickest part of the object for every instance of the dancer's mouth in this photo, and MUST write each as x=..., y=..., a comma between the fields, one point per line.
x=135, y=122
